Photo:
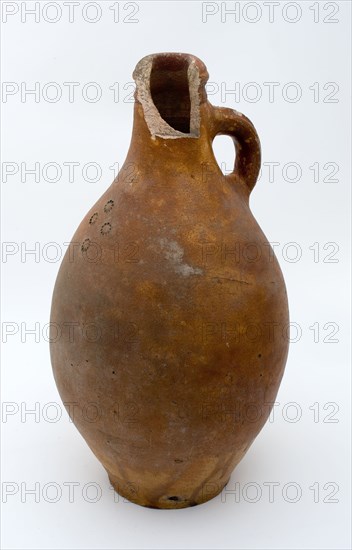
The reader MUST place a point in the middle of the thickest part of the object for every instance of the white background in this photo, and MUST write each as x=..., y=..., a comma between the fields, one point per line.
x=306, y=443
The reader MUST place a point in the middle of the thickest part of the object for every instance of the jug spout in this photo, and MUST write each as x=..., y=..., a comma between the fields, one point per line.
x=170, y=87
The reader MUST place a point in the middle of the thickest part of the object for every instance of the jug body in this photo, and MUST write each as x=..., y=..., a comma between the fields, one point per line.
x=171, y=304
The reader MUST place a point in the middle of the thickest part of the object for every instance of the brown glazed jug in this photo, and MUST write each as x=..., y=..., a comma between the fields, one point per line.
x=170, y=305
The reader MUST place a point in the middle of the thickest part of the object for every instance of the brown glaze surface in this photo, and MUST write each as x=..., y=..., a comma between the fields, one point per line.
x=171, y=304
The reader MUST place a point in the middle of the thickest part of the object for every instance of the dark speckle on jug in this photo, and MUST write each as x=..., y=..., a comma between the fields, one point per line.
x=93, y=218
x=108, y=207
x=85, y=245
x=105, y=229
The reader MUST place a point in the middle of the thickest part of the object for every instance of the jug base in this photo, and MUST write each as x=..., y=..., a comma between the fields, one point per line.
x=130, y=492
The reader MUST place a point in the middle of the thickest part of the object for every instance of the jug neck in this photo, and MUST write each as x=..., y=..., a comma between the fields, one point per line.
x=170, y=88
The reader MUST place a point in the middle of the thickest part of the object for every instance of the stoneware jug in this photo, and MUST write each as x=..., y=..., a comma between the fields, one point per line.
x=170, y=304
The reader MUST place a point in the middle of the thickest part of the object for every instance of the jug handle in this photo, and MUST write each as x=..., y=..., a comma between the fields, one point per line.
x=248, y=152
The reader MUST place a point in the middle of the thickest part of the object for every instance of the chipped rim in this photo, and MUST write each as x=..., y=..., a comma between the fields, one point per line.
x=197, y=75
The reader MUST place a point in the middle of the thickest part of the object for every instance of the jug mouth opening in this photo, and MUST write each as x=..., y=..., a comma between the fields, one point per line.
x=170, y=88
